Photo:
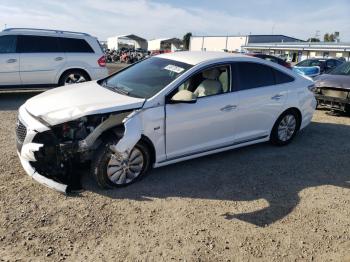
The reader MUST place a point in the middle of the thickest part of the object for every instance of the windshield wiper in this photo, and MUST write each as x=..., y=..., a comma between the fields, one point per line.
x=115, y=88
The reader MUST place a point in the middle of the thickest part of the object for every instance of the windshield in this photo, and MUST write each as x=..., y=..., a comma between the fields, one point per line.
x=343, y=69
x=310, y=63
x=146, y=78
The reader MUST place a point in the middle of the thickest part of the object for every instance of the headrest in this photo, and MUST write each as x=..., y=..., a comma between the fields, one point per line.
x=211, y=74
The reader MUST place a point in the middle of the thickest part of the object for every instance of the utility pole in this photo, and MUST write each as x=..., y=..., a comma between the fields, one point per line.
x=273, y=28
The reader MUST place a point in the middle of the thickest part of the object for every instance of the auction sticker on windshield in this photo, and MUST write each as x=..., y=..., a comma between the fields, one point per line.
x=174, y=68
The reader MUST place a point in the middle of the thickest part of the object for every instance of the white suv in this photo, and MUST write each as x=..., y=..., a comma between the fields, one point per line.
x=48, y=58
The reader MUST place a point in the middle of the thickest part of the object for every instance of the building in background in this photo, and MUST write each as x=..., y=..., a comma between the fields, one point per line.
x=128, y=41
x=298, y=51
x=234, y=43
x=165, y=44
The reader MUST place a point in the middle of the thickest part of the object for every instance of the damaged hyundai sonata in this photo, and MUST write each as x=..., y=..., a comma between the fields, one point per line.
x=162, y=110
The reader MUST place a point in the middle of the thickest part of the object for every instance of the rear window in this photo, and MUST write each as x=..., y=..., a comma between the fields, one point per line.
x=37, y=44
x=73, y=45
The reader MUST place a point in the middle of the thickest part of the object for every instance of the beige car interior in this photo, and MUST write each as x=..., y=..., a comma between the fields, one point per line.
x=209, y=82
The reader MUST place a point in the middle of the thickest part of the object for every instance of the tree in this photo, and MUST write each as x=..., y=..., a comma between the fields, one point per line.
x=186, y=40
x=329, y=37
x=313, y=39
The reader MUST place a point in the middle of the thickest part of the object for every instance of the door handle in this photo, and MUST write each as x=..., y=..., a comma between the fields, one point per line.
x=58, y=58
x=228, y=108
x=277, y=97
x=12, y=60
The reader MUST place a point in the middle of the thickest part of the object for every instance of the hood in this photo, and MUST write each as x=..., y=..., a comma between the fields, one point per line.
x=71, y=102
x=334, y=81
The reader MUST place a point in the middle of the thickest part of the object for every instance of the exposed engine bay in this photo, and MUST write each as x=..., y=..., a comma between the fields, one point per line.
x=68, y=146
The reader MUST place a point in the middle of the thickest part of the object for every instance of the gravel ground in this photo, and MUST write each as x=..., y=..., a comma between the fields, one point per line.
x=260, y=203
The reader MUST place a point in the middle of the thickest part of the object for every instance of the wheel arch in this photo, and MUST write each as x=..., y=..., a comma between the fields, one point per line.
x=118, y=131
x=83, y=70
x=298, y=112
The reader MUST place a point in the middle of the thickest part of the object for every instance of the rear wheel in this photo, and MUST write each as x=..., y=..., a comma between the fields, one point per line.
x=73, y=77
x=110, y=169
x=285, y=128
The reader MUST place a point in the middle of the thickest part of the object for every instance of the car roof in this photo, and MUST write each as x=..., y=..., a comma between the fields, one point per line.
x=44, y=32
x=196, y=57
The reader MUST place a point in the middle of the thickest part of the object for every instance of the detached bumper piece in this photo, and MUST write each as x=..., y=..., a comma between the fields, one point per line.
x=42, y=159
x=63, y=188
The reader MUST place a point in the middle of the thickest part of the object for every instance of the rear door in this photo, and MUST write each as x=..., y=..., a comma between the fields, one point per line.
x=261, y=95
x=9, y=61
x=79, y=53
x=41, y=59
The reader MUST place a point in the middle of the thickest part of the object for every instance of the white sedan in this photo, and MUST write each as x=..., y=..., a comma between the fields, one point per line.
x=162, y=110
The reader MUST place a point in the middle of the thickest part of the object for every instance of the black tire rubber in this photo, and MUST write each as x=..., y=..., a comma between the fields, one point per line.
x=101, y=158
x=77, y=72
x=274, y=133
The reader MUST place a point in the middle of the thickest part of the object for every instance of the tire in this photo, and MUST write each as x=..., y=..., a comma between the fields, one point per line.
x=73, y=77
x=102, y=159
x=286, y=128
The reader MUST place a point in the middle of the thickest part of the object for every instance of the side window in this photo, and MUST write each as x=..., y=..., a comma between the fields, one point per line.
x=253, y=75
x=8, y=44
x=37, y=44
x=282, y=78
x=212, y=81
x=73, y=45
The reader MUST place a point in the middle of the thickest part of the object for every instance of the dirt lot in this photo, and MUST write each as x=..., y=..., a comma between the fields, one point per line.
x=257, y=203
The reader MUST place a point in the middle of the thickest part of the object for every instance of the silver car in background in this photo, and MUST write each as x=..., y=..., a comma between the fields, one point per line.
x=48, y=58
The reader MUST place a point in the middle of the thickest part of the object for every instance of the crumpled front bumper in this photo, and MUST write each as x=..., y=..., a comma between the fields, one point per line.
x=26, y=149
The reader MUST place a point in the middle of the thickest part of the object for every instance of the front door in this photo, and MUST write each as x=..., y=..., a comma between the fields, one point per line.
x=207, y=124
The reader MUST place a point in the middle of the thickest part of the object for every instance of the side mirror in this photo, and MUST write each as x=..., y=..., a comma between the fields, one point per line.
x=184, y=96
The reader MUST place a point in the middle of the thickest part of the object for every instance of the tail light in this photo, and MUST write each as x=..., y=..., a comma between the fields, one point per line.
x=102, y=61
x=288, y=65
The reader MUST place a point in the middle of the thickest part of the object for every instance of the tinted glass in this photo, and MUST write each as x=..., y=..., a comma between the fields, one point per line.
x=331, y=63
x=252, y=75
x=310, y=63
x=72, y=45
x=343, y=69
x=8, y=44
x=146, y=78
x=37, y=44
x=282, y=78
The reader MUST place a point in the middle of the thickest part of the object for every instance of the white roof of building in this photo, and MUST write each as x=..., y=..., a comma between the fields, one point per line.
x=196, y=57
x=301, y=46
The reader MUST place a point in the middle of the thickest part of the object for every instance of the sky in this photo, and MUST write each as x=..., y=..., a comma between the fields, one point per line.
x=173, y=18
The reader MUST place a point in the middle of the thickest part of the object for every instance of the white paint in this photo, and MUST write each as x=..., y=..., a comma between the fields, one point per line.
x=180, y=131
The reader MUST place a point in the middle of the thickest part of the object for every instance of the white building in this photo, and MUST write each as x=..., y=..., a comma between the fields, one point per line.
x=233, y=43
x=171, y=44
x=296, y=52
x=135, y=41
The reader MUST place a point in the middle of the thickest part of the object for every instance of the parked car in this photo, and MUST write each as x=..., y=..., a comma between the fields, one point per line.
x=325, y=65
x=272, y=59
x=333, y=88
x=164, y=109
x=48, y=58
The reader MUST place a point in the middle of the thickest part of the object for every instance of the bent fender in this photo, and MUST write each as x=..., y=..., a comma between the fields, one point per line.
x=132, y=134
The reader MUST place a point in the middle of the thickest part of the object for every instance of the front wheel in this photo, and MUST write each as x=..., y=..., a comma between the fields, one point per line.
x=285, y=128
x=110, y=169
